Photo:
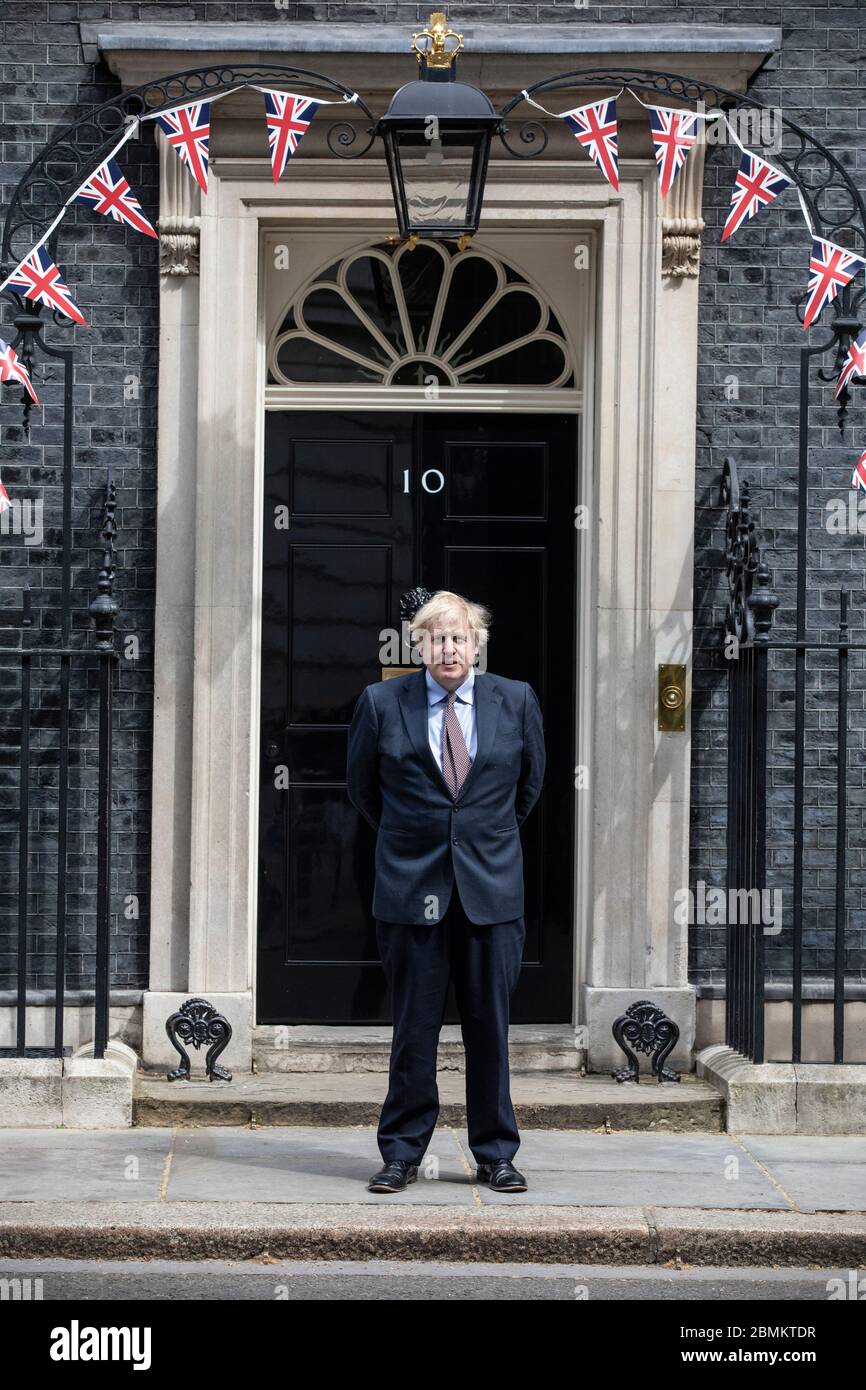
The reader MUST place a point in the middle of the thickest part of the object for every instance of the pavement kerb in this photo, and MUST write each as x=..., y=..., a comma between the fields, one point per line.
x=494, y=1233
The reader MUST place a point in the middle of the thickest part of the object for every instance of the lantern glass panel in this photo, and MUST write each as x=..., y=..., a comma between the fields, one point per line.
x=438, y=179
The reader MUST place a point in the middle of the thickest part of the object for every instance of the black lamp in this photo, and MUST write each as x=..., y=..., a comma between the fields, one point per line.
x=437, y=134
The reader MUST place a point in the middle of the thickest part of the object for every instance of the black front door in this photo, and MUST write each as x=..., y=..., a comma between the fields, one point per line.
x=359, y=508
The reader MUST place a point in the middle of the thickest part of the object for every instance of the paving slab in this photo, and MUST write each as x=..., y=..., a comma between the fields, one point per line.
x=310, y=1165
x=63, y=1165
x=306, y=1165
x=573, y=1150
x=655, y=1169
x=823, y=1187
x=817, y=1172
x=806, y=1148
x=301, y=1165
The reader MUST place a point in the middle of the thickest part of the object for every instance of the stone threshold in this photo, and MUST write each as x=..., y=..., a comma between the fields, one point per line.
x=335, y=1048
x=551, y=1100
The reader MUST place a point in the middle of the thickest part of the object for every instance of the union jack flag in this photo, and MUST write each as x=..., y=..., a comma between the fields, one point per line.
x=594, y=125
x=13, y=369
x=107, y=191
x=288, y=118
x=5, y=504
x=38, y=278
x=188, y=131
x=673, y=135
x=858, y=478
x=757, y=184
x=854, y=364
x=832, y=268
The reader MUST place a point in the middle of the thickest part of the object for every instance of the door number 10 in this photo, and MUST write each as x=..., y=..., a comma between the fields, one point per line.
x=430, y=473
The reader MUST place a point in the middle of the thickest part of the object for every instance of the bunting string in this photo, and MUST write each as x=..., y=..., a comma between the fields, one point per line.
x=209, y=99
x=186, y=126
x=697, y=115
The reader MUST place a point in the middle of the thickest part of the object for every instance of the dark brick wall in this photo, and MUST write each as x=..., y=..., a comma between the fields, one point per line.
x=113, y=276
x=748, y=328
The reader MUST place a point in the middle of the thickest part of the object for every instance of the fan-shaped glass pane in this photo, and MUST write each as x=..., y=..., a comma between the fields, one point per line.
x=473, y=282
x=302, y=359
x=327, y=313
x=370, y=282
x=402, y=312
x=513, y=316
x=421, y=273
x=535, y=364
x=331, y=273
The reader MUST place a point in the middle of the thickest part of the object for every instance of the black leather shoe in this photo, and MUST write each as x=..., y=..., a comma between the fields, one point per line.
x=501, y=1176
x=393, y=1176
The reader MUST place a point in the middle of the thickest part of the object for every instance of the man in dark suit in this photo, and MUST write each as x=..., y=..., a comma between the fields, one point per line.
x=446, y=763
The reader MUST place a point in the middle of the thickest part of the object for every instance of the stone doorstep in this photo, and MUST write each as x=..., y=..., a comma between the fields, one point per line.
x=549, y=1100
x=500, y=1233
x=331, y=1048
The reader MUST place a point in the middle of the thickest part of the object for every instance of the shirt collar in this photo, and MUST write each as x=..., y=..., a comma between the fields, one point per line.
x=436, y=692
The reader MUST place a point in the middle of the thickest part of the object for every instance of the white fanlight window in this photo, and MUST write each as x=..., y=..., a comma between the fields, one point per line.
x=395, y=316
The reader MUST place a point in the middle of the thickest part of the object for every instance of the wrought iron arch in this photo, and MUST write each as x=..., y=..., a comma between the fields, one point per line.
x=674, y=85
x=108, y=119
x=57, y=169
x=833, y=179
x=88, y=140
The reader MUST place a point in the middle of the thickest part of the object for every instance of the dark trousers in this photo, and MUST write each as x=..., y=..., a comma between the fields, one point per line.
x=484, y=963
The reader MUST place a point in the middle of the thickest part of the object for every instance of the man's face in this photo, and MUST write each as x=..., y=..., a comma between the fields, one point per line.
x=448, y=650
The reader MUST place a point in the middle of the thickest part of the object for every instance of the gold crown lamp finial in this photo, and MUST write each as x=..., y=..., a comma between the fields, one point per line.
x=436, y=50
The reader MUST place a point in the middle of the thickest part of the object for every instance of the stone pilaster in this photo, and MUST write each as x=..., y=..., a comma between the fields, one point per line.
x=682, y=223
x=179, y=214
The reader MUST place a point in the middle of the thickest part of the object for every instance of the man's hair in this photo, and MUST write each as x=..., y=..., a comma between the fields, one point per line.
x=429, y=615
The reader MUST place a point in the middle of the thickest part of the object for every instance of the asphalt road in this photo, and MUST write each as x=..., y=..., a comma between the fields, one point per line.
x=381, y=1280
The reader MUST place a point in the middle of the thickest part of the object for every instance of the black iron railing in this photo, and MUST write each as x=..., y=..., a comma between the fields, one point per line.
x=747, y=645
x=55, y=688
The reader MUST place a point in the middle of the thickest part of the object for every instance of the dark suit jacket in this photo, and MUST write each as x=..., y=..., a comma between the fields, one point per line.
x=426, y=841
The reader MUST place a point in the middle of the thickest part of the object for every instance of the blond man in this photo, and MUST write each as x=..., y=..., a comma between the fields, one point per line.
x=446, y=763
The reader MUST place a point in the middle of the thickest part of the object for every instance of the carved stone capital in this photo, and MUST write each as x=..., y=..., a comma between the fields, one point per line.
x=179, y=209
x=682, y=223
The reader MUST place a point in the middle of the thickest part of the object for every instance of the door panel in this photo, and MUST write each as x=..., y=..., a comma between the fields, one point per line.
x=502, y=532
x=359, y=509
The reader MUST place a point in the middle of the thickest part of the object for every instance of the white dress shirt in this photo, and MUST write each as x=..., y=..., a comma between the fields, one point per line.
x=464, y=705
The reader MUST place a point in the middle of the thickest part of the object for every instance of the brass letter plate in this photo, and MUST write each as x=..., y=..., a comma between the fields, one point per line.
x=672, y=698
x=389, y=671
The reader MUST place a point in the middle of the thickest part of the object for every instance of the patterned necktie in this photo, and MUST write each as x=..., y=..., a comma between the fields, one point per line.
x=456, y=761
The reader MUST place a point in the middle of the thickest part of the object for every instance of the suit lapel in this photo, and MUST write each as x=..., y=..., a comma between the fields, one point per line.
x=487, y=704
x=414, y=706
